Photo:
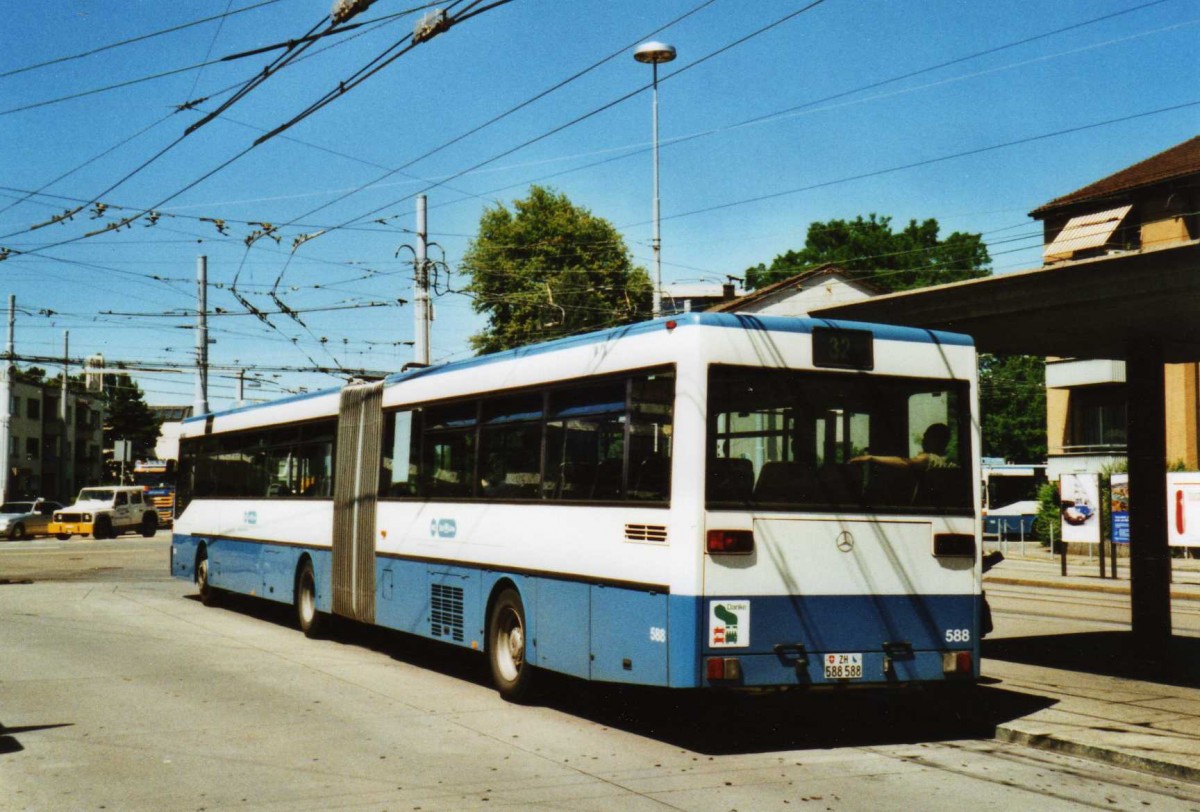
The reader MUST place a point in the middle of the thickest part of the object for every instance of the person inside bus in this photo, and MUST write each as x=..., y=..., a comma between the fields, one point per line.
x=932, y=456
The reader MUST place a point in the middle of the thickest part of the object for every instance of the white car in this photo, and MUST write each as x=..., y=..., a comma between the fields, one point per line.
x=106, y=512
x=21, y=520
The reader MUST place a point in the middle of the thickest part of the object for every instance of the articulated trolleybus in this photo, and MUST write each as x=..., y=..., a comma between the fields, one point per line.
x=714, y=500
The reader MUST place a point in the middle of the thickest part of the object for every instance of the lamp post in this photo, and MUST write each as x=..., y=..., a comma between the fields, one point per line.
x=655, y=53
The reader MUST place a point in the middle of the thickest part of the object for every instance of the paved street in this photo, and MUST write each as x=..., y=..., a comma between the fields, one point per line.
x=120, y=691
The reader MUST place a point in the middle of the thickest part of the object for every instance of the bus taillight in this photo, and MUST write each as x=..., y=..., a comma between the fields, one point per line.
x=730, y=542
x=723, y=668
x=956, y=662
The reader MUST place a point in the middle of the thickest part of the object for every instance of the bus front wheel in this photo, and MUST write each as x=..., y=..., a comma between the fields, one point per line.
x=310, y=621
x=512, y=673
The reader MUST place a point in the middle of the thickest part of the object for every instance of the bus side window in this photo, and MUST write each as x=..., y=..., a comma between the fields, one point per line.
x=401, y=462
x=448, y=450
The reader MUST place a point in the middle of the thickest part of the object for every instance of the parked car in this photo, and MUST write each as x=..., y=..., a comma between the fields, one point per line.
x=21, y=520
x=106, y=512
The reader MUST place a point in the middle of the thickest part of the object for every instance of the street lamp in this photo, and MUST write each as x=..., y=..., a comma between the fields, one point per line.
x=655, y=53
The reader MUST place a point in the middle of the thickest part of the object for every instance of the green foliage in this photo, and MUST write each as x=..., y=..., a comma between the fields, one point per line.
x=869, y=249
x=30, y=375
x=1046, y=525
x=1012, y=407
x=128, y=417
x=548, y=268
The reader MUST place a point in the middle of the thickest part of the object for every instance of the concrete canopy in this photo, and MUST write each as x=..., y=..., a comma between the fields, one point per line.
x=1090, y=308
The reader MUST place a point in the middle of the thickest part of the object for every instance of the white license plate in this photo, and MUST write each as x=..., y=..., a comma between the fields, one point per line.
x=843, y=666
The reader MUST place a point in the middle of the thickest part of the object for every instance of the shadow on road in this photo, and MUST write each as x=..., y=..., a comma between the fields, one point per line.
x=715, y=723
x=1110, y=653
x=8, y=736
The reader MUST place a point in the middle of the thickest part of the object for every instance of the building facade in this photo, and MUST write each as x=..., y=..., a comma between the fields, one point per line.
x=49, y=456
x=1149, y=207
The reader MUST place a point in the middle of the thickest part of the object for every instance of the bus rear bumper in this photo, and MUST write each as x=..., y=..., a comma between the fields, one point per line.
x=879, y=669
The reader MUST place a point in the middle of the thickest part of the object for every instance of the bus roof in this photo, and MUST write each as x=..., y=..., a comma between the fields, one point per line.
x=738, y=321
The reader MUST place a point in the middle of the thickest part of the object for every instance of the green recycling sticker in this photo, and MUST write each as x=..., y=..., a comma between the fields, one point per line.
x=729, y=624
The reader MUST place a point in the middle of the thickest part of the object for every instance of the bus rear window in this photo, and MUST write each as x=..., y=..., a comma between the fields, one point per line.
x=826, y=441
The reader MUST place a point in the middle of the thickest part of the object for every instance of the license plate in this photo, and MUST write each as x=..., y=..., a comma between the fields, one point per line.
x=843, y=666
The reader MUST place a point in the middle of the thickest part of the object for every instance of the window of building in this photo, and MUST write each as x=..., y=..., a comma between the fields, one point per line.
x=33, y=409
x=32, y=447
x=1098, y=416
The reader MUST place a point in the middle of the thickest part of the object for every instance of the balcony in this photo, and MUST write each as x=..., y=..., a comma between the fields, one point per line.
x=1070, y=373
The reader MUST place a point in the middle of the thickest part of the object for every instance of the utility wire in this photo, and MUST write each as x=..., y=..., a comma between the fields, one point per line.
x=140, y=38
x=608, y=105
x=931, y=161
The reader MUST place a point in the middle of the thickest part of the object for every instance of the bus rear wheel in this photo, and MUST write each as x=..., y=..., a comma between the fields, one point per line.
x=310, y=621
x=209, y=594
x=512, y=673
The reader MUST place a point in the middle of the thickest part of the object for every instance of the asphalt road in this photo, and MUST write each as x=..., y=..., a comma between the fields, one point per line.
x=119, y=690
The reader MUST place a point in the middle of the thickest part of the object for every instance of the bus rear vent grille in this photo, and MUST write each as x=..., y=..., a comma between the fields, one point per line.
x=645, y=532
x=446, y=612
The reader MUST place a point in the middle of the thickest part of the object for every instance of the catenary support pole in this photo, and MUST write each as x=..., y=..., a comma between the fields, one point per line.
x=6, y=392
x=65, y=456
x=421, y=314
x=200, y=404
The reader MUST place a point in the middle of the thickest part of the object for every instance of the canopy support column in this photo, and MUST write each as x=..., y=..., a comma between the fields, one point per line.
x=1149, y=554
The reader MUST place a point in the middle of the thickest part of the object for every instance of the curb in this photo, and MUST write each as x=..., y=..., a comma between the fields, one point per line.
x=1107, y=588
x=1117, y=758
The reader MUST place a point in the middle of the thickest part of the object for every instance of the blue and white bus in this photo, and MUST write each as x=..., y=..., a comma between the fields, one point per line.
x=713, y=500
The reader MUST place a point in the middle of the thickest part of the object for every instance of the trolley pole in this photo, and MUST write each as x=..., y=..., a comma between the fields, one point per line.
x=6, y=380
x=421, y=313
x=200, y=404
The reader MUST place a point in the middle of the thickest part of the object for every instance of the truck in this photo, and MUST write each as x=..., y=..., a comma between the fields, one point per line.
x=157, y=479
x=106, y=512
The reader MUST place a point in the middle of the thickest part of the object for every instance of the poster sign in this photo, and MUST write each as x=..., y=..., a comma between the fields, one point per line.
x=1183, y=509
x=1079, y=506
x=1119, y=503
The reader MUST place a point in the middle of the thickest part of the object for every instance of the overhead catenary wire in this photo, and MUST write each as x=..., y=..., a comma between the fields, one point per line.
x=140, y=38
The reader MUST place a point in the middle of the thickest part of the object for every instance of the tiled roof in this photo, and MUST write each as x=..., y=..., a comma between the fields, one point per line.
x=828, y=269
x=1178, y=161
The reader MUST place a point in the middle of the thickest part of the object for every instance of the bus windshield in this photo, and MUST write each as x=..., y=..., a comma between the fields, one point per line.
x=834, y=442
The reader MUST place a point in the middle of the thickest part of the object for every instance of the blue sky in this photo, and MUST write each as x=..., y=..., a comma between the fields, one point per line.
x=802, y=122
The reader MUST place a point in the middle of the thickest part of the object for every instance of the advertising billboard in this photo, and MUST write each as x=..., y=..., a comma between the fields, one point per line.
x=1079, y=506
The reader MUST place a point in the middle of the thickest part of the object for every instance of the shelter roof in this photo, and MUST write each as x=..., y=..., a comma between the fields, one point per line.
x=1088, y=308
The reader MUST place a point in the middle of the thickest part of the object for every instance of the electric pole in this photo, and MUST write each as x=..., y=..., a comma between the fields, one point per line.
x=200, y=404
x=421, y=288
x=6, y=388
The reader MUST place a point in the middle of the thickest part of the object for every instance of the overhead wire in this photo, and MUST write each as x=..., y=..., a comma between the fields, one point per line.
x=140, y=38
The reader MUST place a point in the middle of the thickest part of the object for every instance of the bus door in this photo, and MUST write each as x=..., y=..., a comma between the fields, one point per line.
x=356, y=486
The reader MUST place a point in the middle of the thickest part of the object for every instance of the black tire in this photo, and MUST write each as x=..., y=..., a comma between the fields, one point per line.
x=149, y=525
x=102, y=528
x=62, y=536
x=308, y=619
x=209, y=594
x=16, y=532
x=507, y=645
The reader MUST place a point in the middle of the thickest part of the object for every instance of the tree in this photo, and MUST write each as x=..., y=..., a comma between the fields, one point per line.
x=128, y=416
x=548, y=268
x=868, y=249
x=1012, y=406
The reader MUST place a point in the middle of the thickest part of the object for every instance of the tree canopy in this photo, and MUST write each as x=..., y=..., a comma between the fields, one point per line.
x=547, y=268
x=1012, y=406
x=128, y=416
x=868, y=249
